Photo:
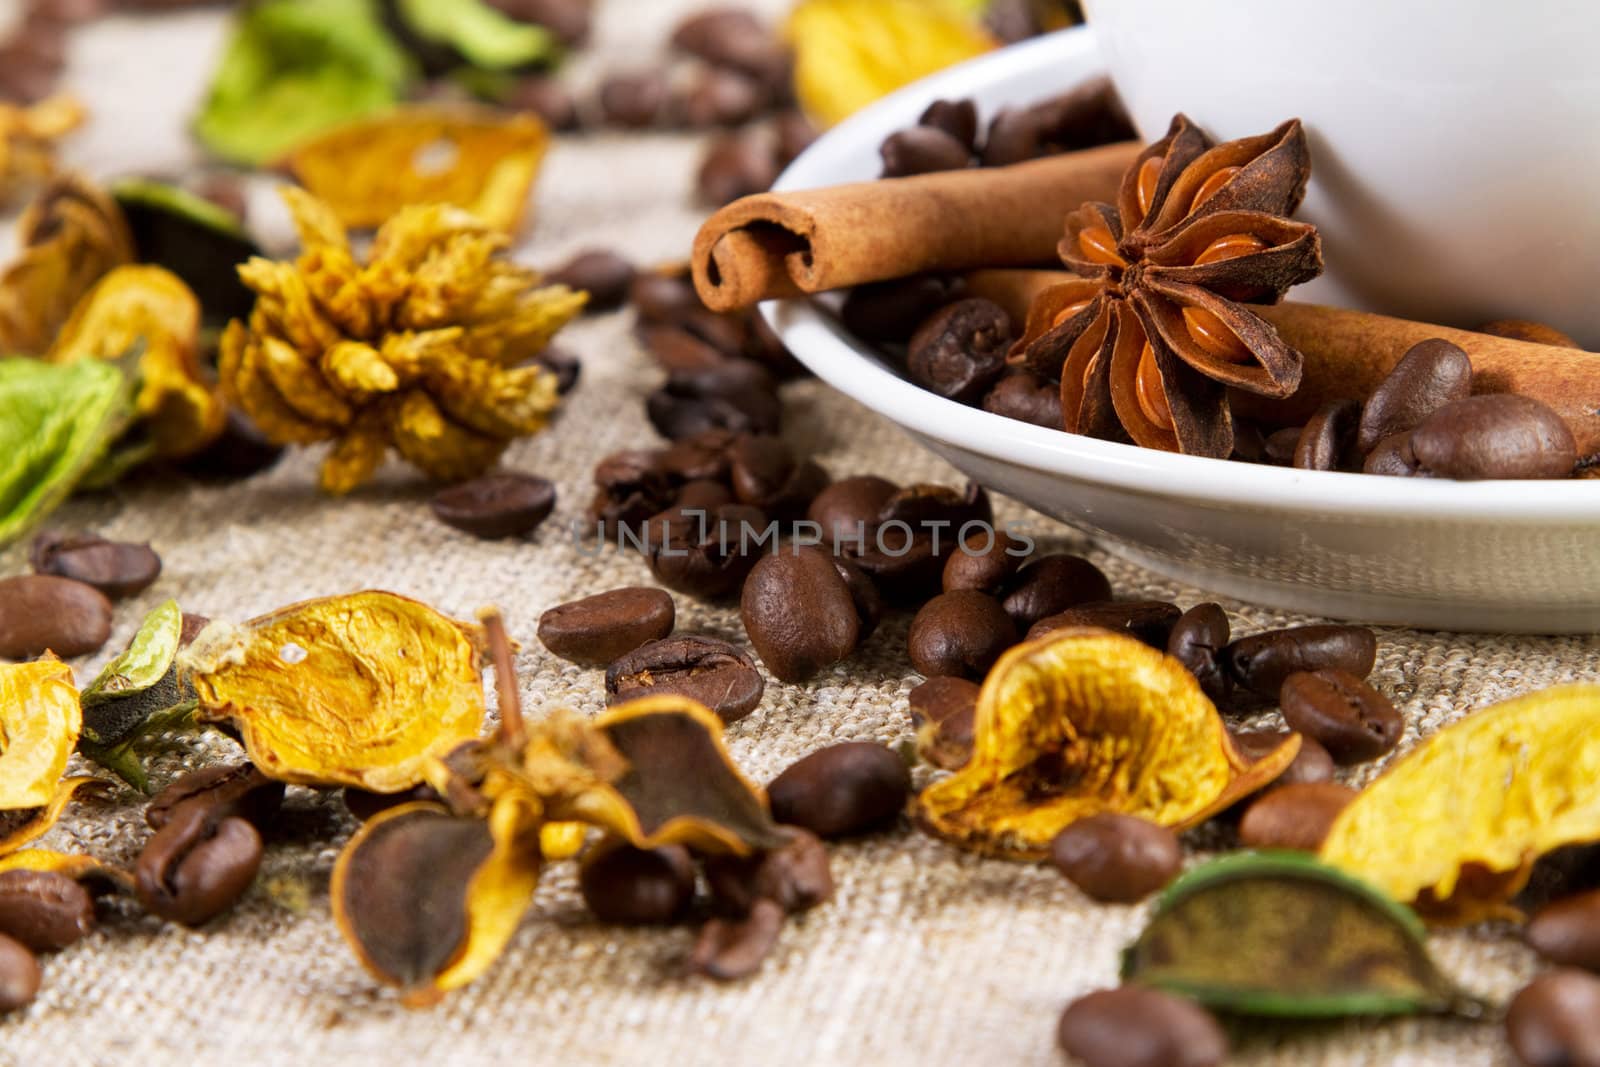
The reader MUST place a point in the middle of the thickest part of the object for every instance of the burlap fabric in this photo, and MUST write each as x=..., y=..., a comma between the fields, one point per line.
x=926, y=955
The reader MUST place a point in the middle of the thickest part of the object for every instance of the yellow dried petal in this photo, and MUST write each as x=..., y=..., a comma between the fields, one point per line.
x=499, y=403
x=357, y=455
x=245, y=386
x=1083, y=721
x=39, y=724
x=562, y=840
x=524, y=330
x=437, y=445
x=1456, y=825
x=301, y=386
x=481, y=161
x=356, y=690
x=18, y=826
x=359, y=369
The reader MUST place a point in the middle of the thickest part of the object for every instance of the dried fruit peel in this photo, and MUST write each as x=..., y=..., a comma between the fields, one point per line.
x=39, y=723
x=1529, y=766
x=1083, y=721
x=28, y=137
x=481, y=161
x=18, y=826
x=357, y=690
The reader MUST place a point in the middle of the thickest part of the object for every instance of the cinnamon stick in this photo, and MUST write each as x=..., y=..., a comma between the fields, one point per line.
x=812, y=240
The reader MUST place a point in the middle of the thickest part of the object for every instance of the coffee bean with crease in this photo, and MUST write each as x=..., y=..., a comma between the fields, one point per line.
x=1430, y=375
x=546, y=97
x=1135, y=1026
x=1089, y=114
x=1393, y=457
x=665, y=296
x=1310, y=764
x=595, y=630
x=227, y=789
x=1151, y=621
x=605, y=275
x=730, y=37
x=703, y=457
x=1567, y=931
x=1350, y=718
x=765, y=473
x=922, y=150
x=703, y=494
x=1249, y=441
x=889, y=312
x=1116, y=858
x=960, y=350
x=44, y=910
x=1501, y=435
x=1279, y=447
x=675, y=349
x=736, y=395
x=1016, y=135
x=903, y=565
x=704, y=553
x=844, y=789
x=630, y=487
x=1022, y=395
x=800, y=612
x=1297, y=815
x=637, y=886
x=1555, y=1020
x=1049, y=585
x=796, y=876
x=1259, y=663
x=1327, y=442
x=960, y=633
x=197, y=865
x=705, y=669
x=1196, y=641
x=496, y=505
x=847, y=510
x=985, y=561
x=118, y=569
x=958, y=118
x=730, y=949
x=634, y=100
x=41, y=612
x=19, y=975
x=735, y=165
x=944, y=709
x=720, y=97
x=926, y=507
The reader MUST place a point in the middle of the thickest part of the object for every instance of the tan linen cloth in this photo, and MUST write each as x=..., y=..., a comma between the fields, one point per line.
x=925, y=956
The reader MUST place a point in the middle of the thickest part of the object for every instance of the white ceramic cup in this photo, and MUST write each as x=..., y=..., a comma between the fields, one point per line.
x=1455, y=143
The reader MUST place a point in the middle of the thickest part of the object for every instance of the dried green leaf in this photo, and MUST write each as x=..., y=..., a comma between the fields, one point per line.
x=137, y=694
x=1279, y=934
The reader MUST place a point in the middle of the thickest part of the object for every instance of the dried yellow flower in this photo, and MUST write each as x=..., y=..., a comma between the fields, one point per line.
x=1083, y=721
x=71, y=236
x=28, y=136
x=480, y=160
x=40, y=719
x=358, y=690
x=181, y=410
x=1456, y=826
x=419, y=349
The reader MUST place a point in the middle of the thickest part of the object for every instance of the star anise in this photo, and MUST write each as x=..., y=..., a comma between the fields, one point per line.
x=1148, y=343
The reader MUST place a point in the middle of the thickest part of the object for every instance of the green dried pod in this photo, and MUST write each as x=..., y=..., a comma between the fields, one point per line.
x=1280, y=934
x=138, y=693
x=199, y=241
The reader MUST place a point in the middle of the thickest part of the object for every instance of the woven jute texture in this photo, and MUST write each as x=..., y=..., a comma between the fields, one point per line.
x=926, y=955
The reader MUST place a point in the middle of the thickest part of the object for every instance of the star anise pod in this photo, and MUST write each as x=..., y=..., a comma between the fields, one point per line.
x=1148, y=343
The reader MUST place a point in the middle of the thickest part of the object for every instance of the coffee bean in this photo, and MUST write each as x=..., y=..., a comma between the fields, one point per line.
x=546, y=97
x=944, y=710
x=597, y=629
x=890, y=311
x=70, y=12
x=1249, y=441
x=1393, y=457
x=1352, y=720
x=728, y=334
x=796, y=876
x=728, y=37
x=863, y=594
x=985, y=561
x=1555, y=1020
x=1295, y=816
x=495, y=505
x=703, y=494
x=116, y=568
x=1117, y=858
x=735, y=165
x=606, y=276
x=630, y=487
x=960, y=350
x=1280, y=445
x=635, y=100
x=706, y=669
x=567, y=20
x=44, y=910
x=844, y=789
x=1538, y=333
x=561, y=363
x=922, y=150
x=1430, y=375
x=1311, y=764
x=960, y=633
x=1089, y=114
x=737, y=395
x=928, y=508
x=799, y=613
x=702, y=457
x=240, y=451
x=1022, y=395
x=1261, y=662
x=704, y=553
x=794, y=134
x=1016, y=135
x=847, y=510
x=19, y=975
x=41, y=612
x=765, y=473
x=663, y=297
x=1151, y=621
x=902, y=564
x=676, y=349
x=958, y=118
x=1328, y=439
x=197, y=865
x=1049, y=585
x=1138, y=1027
x=25, y=76
x=1501, y=435
x=730, y=949
x=1197, y=639
x=623, y=884
x=227, y=789
x=1567, y=931
x=721, y=97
